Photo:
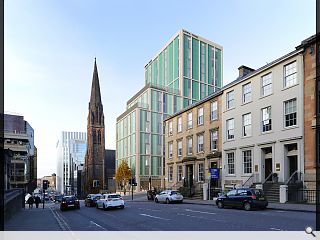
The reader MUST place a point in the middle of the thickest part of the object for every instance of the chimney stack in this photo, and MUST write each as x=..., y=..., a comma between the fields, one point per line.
x=244, y=70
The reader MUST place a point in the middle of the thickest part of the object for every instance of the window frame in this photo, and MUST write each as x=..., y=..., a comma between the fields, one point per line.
x=170, y=150
x=295, y=114
x=170, y=128
x=228, y=129
x=268, y=119
x=247, y=94
x=294, y=74
x=170, y=174
x=244, y=125
x=200, y=116
x=179, y=124
x=216, y=139
x=231, y=164
x=267, y=86
x=178, y=143
x=199, y=145
x=188, y=147
x=230, y=101
x=189, y=121
x=201, y=173
x=215, y=111
x=247, y=162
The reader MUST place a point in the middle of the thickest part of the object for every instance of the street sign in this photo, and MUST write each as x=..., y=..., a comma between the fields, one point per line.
x=214, y=173
x=45, y=184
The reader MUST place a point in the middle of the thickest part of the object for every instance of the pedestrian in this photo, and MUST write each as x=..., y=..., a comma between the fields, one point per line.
x=30, y=202
x=37, y=200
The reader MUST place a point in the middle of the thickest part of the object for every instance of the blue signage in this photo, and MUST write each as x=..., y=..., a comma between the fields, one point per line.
x=214, y=173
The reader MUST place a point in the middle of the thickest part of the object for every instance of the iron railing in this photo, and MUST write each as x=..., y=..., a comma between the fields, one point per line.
x=303, y=196
x=296, y=176
x=247, y=181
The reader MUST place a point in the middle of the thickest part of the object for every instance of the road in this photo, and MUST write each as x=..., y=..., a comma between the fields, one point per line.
x=149, y=216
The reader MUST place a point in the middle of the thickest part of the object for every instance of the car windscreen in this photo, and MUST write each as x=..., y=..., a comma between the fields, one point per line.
x=175, y=192
x=69, y=198
x=114, y=196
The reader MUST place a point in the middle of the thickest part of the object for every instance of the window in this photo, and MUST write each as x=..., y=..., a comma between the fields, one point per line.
x=230, y=99
x=170, y=150
x=189, y=120
x=214, y=110
x=180, y=124
x=170, y=128
x=266, y=119
x=179, y=175
x=188, y=73
x=179, y=148
x=290, y=74
x=230, y=162
x=200, y=116
x=200, y=143
x=266, y=84
x=213, y=140
x=290, y=112
x=246, y=93
x=246, y=122
x=230, y=129
x=189, y=144
x=247, y=161
x=232, y=193
x=170, y=174
x=200, y=172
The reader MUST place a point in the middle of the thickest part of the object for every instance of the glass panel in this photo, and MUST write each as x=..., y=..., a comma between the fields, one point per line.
x=195, y=59
x=195, y=90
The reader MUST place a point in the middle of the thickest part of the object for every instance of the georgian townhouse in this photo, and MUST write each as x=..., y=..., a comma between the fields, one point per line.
x=262, y=124
x=193, y=144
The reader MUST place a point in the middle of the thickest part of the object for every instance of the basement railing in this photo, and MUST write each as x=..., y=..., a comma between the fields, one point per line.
x=250, y=178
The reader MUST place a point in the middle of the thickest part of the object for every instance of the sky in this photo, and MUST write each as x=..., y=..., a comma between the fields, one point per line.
x=50, y=46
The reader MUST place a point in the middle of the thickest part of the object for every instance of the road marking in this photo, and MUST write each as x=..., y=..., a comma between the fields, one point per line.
x=92, y=222
x=279, y=211
x=155, y=210
x=181, y=214
x=146, y=215
x=277, y=229
x=189, y=210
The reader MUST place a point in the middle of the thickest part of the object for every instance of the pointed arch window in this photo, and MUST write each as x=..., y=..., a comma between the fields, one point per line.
x=99, y=137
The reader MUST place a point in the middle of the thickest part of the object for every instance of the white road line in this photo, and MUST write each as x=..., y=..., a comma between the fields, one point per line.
x=146, y=215
x=280, y=211
x=210, y=219
x=189, y=210
x=155, y=210
x=277, y=229
x=92, y=222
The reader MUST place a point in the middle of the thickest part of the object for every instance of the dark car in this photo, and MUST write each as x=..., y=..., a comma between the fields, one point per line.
x=69, y=202
x=151, y=194
x=91, y=200
x=246, y=198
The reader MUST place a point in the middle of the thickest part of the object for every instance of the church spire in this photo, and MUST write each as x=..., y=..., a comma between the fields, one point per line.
x=95, y=98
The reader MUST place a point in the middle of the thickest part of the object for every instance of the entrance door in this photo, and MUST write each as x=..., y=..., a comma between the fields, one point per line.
x=293, y=164
x=267, y=168
x=214, y=182
x=190, y=175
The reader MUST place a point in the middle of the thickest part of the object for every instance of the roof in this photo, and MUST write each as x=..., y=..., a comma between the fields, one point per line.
x=95, y=98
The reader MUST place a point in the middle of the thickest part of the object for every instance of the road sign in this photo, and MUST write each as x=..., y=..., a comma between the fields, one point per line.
x=215, y=172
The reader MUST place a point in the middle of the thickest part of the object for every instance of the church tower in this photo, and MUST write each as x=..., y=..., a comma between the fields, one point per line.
x=94, y=160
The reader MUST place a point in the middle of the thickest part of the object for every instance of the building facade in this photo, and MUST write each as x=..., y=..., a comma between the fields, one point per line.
x=310, y=110
x=263, y=123
x=19, y=138
x=95, y=154
x=193, y=144
x=187, y=69
x=71, y=148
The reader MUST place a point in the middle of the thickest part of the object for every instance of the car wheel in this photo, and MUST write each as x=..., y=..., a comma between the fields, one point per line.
x=167, y=201
x=78, y=207
x=220, y=204
x=122, y=206
x=104, y=208
x=148, y=198
x=97, y=206
x=247, y=206
x=263, y=208
x=181, y=201
x=156, y=200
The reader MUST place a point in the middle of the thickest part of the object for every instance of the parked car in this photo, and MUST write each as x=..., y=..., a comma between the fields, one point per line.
x=246, y=198
x=169, y=196
x=111, y=200
x=91, y=200
x=69, y=202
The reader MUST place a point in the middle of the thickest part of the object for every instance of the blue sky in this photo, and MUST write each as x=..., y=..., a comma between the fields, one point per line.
x=49, y=50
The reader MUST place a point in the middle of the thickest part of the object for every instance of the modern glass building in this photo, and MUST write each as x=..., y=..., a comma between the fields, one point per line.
x=187, y=69
x=71, y=150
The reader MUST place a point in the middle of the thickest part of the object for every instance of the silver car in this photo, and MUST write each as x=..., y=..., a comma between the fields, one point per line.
x=169, y=196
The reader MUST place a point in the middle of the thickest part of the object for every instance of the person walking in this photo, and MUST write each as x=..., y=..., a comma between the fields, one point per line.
x=30, y=202
x=37, y=200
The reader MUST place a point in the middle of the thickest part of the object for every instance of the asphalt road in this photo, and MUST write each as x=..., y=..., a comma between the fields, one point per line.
x=149, y=216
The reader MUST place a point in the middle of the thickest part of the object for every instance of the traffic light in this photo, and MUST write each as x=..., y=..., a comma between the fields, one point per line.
x=45, y=184
x=132, y=181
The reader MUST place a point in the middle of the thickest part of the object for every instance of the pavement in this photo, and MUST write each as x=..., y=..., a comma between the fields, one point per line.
x=142, y=197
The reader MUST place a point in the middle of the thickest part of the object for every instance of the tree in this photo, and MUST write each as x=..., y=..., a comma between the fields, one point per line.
x=123, y=173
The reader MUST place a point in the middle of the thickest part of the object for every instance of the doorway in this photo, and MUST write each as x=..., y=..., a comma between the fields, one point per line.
x=268, y=167
x=190, y=175
x=293, y=164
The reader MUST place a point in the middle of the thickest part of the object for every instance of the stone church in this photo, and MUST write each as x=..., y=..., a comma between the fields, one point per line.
x=99, y=167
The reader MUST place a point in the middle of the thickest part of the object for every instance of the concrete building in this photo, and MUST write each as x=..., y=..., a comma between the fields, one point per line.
x=187, y=69
x=193, y=145
x=19, y=138
x=263, y=123
x=71, y=148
